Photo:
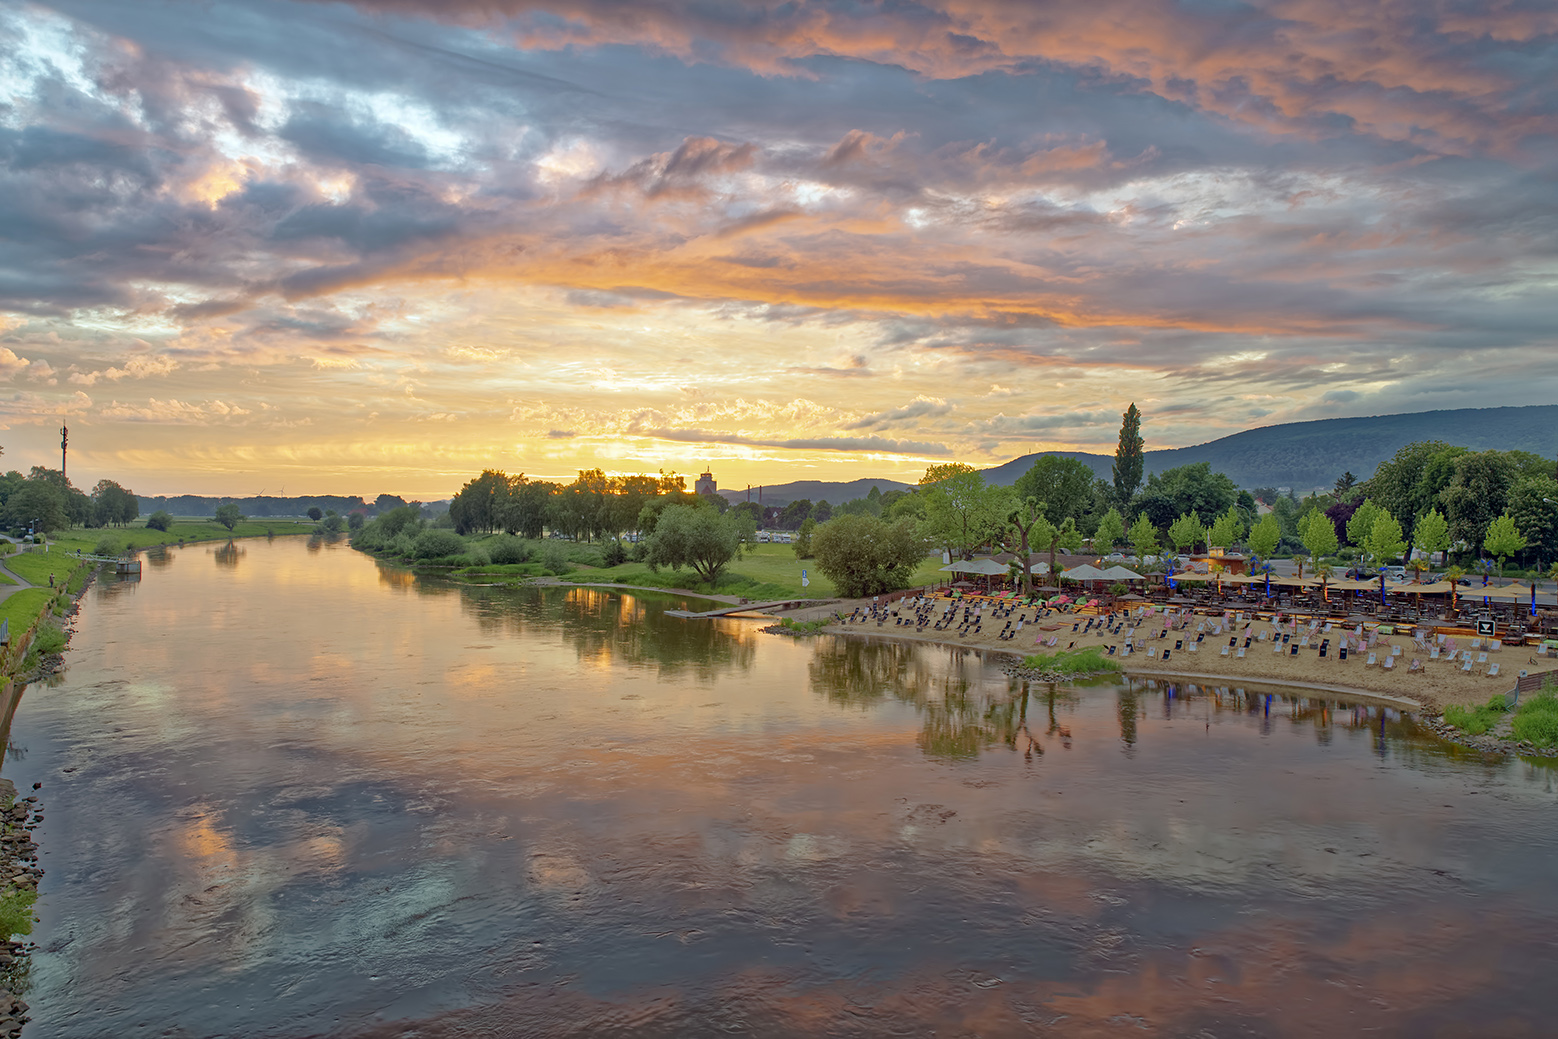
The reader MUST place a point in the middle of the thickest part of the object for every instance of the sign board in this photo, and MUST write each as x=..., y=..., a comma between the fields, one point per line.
x=1485, y=628
x=805, y=581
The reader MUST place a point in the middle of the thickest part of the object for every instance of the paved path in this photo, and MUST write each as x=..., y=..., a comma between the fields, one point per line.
x=8, y=590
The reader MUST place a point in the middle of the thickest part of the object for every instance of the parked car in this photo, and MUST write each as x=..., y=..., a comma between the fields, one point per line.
x=1396, y=573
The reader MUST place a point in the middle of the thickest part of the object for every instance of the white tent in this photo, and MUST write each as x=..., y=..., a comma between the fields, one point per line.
x=1085, y=572
x=1119, y=573
x=976, y=566
x=1039, y=568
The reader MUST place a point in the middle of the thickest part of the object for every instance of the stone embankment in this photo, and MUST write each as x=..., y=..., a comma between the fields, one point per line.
x=19, y=875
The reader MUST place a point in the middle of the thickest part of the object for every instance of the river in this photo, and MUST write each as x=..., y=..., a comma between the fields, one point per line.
x=290, y=791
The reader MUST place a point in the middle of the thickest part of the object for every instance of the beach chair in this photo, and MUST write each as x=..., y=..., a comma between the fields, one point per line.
x=1395, y=651
x=1165, y=656
x=1466, y=656
x=1293, y=651
x=1277, y=648
x=1193, y=647
x=1241, y=653
x=1323, y=651
x=1482, y=658
x=1152, y=653
x=1466, y=667
x=1371, y=661
x=1390, y=663
x=1441, y=638
x=1433, y=653
x=1493, y=671
x=1341, y=655
x=1417, y=665
x=1304, y=642
x=1225, y=651
x=1179, y=643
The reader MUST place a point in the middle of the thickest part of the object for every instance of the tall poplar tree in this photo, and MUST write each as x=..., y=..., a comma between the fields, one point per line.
x=1129, y=458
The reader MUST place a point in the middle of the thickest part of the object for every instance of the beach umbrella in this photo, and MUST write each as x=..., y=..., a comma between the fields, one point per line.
x=1085, y=572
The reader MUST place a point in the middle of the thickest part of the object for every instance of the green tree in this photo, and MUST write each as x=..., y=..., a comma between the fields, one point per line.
x=862, y=555
x=1023, y=520
x=1064, y=485
x=1228, y=529
x=1111, y=531
x=1385, y=540
x=694, y=536
x=113, y=505
x=795, y=513
x=1478, y=492
x=1129, y=457
x=1185, y=531
x=315, y=513
x=228, y=515
x=1362, y=522
x=1432, y=533
x=1187, y=488
x=1143, y=537
x=803, y=540
x=1530, y=505
x=1503, y=540
x=1265, y=536
x=961, y=512
x=1318, y=534
x=1066, y=536
x=159, y=520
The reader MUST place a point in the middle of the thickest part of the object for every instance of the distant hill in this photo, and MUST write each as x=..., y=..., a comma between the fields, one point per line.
x=815, y=491
x=1307, y=455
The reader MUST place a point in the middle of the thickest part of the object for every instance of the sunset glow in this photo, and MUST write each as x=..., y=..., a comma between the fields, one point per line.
x=292, y=247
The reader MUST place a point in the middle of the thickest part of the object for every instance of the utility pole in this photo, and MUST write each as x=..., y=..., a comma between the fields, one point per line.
x=64, y=444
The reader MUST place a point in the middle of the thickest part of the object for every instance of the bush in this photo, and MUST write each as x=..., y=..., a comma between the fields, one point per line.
x=476, y=555
x=438, y=544
x=614, y=555
x=863, y=556
x=554, y=560
x=108, y=546
x=355, y=521
x=159, y=520
x=1537, y=719
x=507, y=550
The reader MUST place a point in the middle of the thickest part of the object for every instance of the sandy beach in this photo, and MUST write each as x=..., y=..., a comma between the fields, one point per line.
x=1435, y=684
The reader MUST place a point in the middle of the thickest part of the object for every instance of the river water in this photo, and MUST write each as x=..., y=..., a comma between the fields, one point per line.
x=292, y=792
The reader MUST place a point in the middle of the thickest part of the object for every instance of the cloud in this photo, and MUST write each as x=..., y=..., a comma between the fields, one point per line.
x=825, y=443
x=920, y=407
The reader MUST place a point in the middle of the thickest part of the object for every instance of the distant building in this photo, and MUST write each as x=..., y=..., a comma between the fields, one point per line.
x=705, y=484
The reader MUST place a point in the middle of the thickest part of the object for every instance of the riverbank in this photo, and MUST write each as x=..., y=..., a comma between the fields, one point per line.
x=19, y=876
x=1437, y=684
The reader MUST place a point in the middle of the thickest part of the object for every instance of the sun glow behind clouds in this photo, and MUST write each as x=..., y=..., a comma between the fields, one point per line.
x=402, y=247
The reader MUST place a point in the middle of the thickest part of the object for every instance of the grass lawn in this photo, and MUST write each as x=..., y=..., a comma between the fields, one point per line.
x=35, y=567
x=22, y=608
x=767, y=572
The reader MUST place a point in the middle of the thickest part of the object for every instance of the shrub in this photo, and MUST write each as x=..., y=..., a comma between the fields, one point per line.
x=554, y=560
x=438, y=544
x=1474, y=721
x=508, y=549
x=355, y=521
x=1537, y=719
x=159, y=520
x=614, y=555
x=476, y=555
x=108, y=546
x=403, y=545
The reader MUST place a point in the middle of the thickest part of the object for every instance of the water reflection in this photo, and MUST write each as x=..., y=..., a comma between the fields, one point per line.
x=412, y=807
x=158, y=557
x=229, y=555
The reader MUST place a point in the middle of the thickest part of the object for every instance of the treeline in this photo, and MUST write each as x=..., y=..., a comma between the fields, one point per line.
x=594, y=506
x=46, y=501
x=271, y=505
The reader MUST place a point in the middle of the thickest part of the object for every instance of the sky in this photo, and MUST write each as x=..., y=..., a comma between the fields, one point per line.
x=296, y=247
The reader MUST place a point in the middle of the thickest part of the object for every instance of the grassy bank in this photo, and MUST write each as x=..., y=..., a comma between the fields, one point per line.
x=1077, y=663
x=182, y=530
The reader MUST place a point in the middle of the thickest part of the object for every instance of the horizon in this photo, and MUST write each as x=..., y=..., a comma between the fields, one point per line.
x=310, y=245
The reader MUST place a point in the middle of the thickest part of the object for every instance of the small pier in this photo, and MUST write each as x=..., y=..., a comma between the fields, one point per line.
x=774, y=606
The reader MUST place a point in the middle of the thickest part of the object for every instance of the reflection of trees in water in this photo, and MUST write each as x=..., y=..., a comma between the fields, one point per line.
x=610, y=626
x=159, y=557
x=229, y=555
x=1389, y=727
x=962, y=714
x=113, y=586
